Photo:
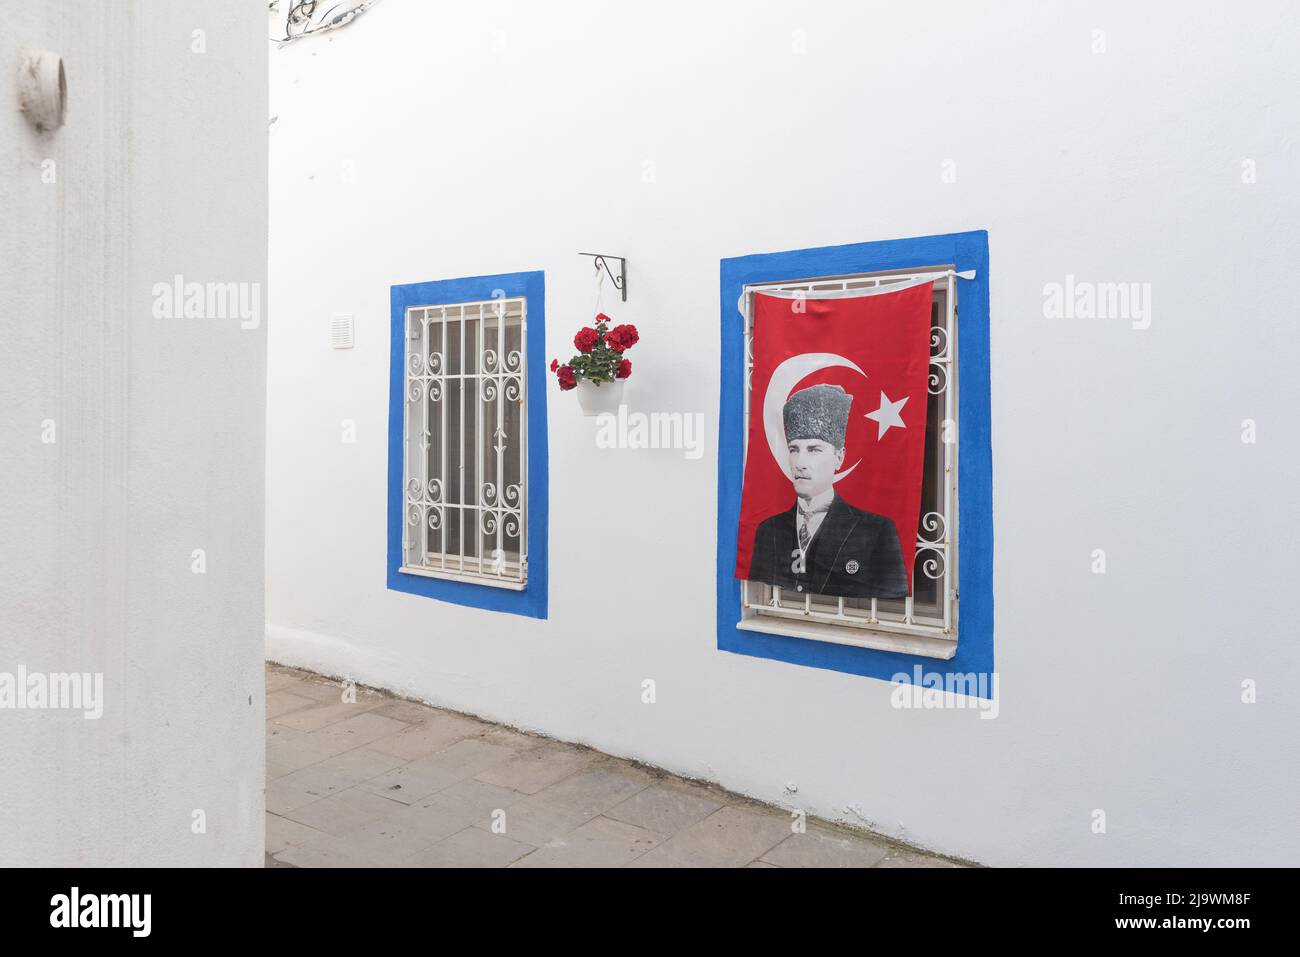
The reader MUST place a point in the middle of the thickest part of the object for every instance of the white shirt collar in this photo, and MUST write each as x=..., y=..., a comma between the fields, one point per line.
x=817, y=503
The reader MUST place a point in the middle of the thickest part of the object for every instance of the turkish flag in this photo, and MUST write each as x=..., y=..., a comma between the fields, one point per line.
x=836, y=521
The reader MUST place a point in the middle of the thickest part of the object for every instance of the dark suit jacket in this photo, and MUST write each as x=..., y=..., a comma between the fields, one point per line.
x=855, y=554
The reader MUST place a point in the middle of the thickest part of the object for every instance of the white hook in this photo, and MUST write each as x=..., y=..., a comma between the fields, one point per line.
x=600, y=288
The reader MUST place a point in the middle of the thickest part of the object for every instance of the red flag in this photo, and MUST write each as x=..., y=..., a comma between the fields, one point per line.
x=837, y=411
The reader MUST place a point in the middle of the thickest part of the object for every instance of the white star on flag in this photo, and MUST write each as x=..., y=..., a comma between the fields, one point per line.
x=887, y=415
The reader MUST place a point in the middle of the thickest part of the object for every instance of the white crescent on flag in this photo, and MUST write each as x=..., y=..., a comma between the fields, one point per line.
x=786, y=376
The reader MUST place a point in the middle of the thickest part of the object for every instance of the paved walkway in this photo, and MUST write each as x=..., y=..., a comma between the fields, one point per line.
x=385, y=782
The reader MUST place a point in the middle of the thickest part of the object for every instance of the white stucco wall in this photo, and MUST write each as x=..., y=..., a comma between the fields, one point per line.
x=158, y=436
x=503, y=137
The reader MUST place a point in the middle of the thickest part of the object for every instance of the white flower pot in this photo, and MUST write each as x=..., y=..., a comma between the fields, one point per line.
x=599, y=397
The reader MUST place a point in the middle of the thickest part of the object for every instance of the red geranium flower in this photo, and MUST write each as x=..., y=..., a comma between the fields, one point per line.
x=601, y=317
x=624, y=369
x=622, y=338
x=586, y=339
x=555, y=364
x=567, y=381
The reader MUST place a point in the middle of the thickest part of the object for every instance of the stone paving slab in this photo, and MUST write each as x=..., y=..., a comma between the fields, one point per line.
x=345, y=810
x=596, y=789
x=437, y=817
x=536, y=769
x=539, y=819
x=282, y=833
x=601, y=842
x=320, y=715
x=374, y=848
x=472, y=848
x=280, y=703
x=474, y=802
x=416, y=779
x=361, y=729
x=664, y=809
x=435, y=733
x=325, y=778
x=278, y=678
x=412, y=712
x=386, y=782
x=292, y=750
x=818, y=847
x=360, y=764
x=729, y=837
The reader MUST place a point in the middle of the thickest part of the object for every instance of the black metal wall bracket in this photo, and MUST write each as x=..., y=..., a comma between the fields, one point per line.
x=620, y=281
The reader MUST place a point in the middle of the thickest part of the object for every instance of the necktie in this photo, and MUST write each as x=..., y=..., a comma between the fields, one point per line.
x=805, y=516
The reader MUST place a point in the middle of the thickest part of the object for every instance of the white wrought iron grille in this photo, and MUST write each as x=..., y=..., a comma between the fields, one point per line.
x=925, y=622
x=465, y=467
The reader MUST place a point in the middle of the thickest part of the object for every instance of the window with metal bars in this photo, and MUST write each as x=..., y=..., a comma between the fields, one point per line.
x=925, y=622
x=465, y=442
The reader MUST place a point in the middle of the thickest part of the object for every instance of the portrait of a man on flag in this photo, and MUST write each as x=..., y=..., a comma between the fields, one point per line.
x=838, y=549
x=836, y=442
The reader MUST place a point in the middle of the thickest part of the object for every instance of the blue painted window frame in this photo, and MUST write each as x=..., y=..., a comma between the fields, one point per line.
x=532, y=600
x=968, y=250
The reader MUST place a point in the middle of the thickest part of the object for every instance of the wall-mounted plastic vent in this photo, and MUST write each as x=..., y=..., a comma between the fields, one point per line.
x=341, y=331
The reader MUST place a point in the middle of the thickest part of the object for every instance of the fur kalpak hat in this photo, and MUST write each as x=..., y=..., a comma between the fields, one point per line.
x=818, y=412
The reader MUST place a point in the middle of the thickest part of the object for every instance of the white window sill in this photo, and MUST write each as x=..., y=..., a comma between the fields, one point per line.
x=941, y=648
x=490, y=581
